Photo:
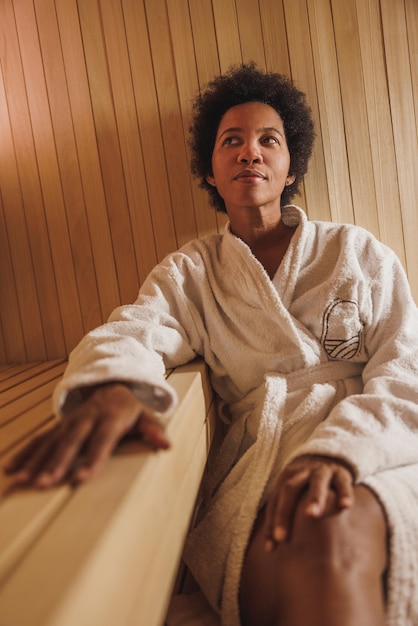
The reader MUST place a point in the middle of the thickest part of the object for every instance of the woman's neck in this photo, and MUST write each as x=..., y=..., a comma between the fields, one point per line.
x=268, y=237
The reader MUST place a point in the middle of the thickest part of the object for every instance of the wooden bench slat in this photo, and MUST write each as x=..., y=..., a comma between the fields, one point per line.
x=13, y=432
x=25, y=403
x=153, y=610
x=105, y=538
x=25, y=371
x=24, y=515
x=12, y=370
x=28, y=386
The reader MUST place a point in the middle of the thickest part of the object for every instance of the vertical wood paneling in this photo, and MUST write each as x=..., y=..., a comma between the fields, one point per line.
x=401, y=94
x=227, y=33
x=250, y=32
x=411, y=14
x=13, y=345
x=380, y=127
x=109, y=148
x=332, y=132
x=49, y=174
x=18, y=288
x=355, y=117
x=128, y=133
x=67, y=161
x=303, y=73
x=207, y=66
x=274, y=36
x=88, y=155
x=171, y=122
x=95, y=102
x=187, y=80
x=4, y=284
x=150, y=128
x=14, y=96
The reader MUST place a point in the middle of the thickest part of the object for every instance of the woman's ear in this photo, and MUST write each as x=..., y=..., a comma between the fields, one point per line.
x=290, y=179
x=210, y=179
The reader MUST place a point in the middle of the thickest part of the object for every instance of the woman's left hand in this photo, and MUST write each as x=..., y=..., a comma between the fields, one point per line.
x=313, y=477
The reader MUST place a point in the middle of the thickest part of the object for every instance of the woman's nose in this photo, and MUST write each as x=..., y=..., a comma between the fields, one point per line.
x=250, y=154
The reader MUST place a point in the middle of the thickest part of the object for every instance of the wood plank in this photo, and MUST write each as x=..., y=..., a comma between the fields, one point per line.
x=88, y=156
x=208, y=220
x=68, y=165
x=250, y=32
x=14, y=409
x=316, y=200
x=146, y=100
x=229, y=46
x=411, y=14
x=19, y=373
x=37, y=380
x=15, y=431
x=380, y=126
x=355, y=115
x=331, y=130
x=106, y=522
x=170, y=548
x=171, y=121
x=9, y=370
x=30, y=188
x=24, y=515
x=18, y=285
x=129, y=137
x=404, y=126
x=109, y=149
x=204, y=40
x=187, y=83
x=48, y=171
x=14, y=343
x=275, y=36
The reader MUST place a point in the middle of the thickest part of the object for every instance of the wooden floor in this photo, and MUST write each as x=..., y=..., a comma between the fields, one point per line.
x=106, y=553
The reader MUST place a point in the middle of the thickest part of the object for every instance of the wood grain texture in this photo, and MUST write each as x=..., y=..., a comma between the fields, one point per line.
x=95, y=104
x=105, y=548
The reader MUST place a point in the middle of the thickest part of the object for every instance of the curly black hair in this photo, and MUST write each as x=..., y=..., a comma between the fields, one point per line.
x=246, y=83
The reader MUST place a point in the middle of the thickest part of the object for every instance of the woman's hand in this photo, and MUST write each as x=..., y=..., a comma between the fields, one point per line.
x=313, y=477
x=88, y=434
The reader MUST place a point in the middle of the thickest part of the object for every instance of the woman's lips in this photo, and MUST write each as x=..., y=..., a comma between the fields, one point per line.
x=250, y=176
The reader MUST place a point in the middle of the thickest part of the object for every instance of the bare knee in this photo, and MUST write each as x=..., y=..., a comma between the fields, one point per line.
x=345, y=551
x=353, y=539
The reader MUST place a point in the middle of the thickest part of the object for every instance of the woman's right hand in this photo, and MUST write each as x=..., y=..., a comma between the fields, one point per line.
x=86, y=436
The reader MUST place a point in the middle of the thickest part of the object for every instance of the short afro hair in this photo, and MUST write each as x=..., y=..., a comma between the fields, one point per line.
x=241, y=84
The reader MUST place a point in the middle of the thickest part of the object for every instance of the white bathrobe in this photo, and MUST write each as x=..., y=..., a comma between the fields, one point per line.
x=322, y=359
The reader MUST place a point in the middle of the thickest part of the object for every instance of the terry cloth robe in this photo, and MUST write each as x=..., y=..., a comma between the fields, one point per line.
x=323, y=359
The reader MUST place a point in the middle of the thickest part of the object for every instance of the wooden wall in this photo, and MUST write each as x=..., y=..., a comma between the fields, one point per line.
x=94, y=112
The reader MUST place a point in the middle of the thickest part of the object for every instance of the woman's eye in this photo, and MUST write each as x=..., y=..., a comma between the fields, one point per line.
x=228, y=141
x=269, y=139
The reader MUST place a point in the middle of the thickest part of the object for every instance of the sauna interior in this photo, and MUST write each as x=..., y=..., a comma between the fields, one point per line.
x=95, y=99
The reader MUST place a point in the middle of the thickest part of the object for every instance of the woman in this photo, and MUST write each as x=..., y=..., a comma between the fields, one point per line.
x=311, y=336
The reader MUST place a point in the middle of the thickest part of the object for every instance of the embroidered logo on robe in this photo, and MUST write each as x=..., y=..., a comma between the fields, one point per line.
x=342, y=330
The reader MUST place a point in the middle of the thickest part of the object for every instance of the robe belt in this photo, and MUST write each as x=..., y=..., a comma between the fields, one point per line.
x=323, y=373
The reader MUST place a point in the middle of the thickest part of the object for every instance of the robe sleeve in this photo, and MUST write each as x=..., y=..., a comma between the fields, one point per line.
x=378, y=429
x=138, y=343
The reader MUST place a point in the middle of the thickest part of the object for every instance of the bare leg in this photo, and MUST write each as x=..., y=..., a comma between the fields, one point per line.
x=329, y=573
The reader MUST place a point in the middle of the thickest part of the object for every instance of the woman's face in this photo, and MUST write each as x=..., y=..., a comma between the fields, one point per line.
x=250, y=159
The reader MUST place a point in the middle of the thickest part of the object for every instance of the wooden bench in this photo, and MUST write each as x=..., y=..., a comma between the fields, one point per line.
x=106, y=553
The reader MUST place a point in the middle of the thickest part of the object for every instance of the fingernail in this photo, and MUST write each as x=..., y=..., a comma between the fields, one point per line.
x=279, y=533
x=269, y=545
x=313, y=509
x=22, y=477
x=43, y=480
